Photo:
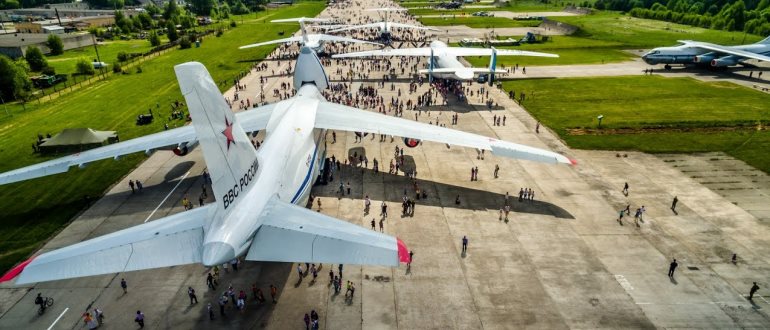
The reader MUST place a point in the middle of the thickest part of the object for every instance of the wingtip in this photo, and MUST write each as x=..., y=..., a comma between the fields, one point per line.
x=403, y=252
x=15, y=271
x=573, y=161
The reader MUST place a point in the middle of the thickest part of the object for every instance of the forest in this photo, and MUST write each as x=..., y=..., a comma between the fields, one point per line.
x=751, y=16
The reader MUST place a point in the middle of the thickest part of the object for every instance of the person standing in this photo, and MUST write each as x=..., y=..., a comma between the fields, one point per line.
x=382, y=221
x=373, y=223
x=124, y=285
x=625, y=189
x=139, y=319
x=754, y=289
x=139, y=185
x=465, y=243
x=273, y=293
x=222, y=302
x=384, y=208
x=193, y=297
x=672, y=268
x=673, y=203
x=210, y=310
x=131, y=184
x=497, y=169
x=306, y=319
x=210, y=282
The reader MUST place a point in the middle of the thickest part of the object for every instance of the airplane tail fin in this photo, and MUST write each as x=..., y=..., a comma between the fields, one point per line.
x=765, y=41
x=308, y=70
x=229, y=154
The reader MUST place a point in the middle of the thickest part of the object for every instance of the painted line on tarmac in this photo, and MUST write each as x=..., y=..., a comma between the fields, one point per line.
x=167, y=196
x=58, y=318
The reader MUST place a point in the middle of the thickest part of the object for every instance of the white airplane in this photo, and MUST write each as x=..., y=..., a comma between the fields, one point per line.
x=255, y=214
x=704, y=53
x=314, y=41
x=385, y=27
x=443, y=61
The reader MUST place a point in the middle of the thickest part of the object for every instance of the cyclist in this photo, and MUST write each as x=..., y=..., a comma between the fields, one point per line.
x=40, y=301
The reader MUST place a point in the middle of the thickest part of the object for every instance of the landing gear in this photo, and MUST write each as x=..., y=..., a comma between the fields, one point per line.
x=667, y=67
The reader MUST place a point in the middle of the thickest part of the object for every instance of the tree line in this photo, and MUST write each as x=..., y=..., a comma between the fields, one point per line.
x=751, y=16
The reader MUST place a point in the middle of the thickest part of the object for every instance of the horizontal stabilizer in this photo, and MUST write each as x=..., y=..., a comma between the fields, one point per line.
x=173, y=240
x=290, y=233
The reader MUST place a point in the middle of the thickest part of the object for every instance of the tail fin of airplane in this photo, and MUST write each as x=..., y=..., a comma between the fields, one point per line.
x=765, y=41
x=229, y=154
x=308, y=70
x=492, y=66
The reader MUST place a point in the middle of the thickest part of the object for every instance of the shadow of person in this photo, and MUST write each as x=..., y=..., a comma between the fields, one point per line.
x=673, y=280
x=464, y=254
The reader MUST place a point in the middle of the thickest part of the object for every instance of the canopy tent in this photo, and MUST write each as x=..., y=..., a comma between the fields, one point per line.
x=77, y=139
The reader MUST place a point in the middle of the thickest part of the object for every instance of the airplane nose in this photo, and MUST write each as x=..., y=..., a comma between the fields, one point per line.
x=217, y=253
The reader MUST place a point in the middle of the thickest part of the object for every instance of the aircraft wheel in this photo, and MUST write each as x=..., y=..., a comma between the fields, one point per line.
x=667, y=67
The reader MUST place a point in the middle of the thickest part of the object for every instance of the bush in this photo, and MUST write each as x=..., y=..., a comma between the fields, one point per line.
x=172, y=34
x=138, y=69
x=116, y=67
x=35, y=59
x=185, y=43
x=219, y=32
x=232, y=24
x=122, y=57
x=49, y=71
x=84, y=67
x=55, y=44
x=154, y=39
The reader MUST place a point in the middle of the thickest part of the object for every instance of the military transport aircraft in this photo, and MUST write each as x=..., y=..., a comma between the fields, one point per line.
x=443, y=61
x=314, y=41
x=258, y=191
x=708, y=54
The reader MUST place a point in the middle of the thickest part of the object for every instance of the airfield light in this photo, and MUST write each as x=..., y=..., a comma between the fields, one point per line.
x=600, y=120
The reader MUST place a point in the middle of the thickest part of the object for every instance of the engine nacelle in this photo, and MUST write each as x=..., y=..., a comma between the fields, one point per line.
x=705, y=58
x=185, y=147
x=724, y=61
x=411, y=143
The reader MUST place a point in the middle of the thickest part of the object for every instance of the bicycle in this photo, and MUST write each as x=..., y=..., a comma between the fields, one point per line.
x=47, y=302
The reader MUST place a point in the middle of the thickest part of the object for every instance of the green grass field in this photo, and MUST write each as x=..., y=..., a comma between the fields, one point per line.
x=654, y=112
x=633, y=32
x=478, y=22
x=35, y=209
x=108, y=53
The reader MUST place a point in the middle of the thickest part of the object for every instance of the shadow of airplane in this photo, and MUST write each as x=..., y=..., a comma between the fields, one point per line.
x=438, y=194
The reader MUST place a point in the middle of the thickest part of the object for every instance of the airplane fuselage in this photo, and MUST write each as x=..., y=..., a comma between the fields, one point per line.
x=446, y=62
x=688, y=54
x=296, y=152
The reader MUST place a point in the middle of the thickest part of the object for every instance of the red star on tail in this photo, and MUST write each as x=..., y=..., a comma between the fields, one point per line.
x=228, y=133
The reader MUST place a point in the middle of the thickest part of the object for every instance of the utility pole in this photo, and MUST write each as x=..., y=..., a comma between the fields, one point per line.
x=98, y=59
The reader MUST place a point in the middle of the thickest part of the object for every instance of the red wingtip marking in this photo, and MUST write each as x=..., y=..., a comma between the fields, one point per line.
x=15, y=271
x=403, y=252
x=573, y=161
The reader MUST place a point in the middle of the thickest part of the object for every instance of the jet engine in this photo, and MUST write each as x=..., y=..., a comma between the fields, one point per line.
x=411, y=143
x=724, y=61
x=185, y=147
x=705, y=58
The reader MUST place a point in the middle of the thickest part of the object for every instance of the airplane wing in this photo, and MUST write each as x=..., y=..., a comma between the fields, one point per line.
x=252, y=120
x=326, y=37
x=170, y=241
x=340, y=117
x=302, y=19
x=290, y=233
x=726, y=50
x=453, y=70
x=407, y=26
x=358, y=27
x=443, y=51
x=276, y=41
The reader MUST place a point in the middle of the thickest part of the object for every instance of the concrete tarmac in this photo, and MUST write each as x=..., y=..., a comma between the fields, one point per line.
x=560, y=261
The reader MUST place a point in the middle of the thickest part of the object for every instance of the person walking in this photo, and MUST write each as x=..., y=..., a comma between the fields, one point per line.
x=210, y=310
x=382, y=221
x=139, y=319
x=124, y=285
x=131, y=184
x=384, y=208
x=193, y=297
x=222, y=302
x=673, y=203
x=273, y=293
x=210, y=282
x=625, y=189
x=672, y=268
x=465, y=243
x=373, y=224
x=306, y=319
x=497, y=169
x=754, y=289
